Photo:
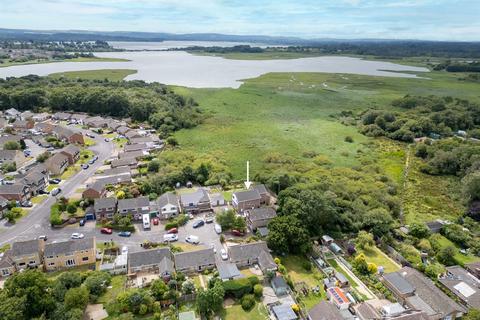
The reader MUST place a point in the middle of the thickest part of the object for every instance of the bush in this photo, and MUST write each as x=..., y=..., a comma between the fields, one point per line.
x=258, y=290
x=237, y=288
x=307, y=265
x=248, y=302
x=171, y=225
x=348, y=139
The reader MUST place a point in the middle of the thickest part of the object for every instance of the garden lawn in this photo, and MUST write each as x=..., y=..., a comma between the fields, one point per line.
x=333, y=263
x=376, y=256
x=236, y=312
x=72, y=170
x=38, y=199
x=461, y=258
x=117, y=286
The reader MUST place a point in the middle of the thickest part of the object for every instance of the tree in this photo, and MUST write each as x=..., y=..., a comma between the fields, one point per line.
x=365, y=240
x=76, y=298
x=418, y=230
x=97, y=283
x=258, y=290
x=11, y=308
x=287, y=234
x=188, y=287
x=433, y=270
x=159, y=289
x=71, y=208
x=65, y=281
x=471, y=186
x=360, y=264
x=12, y=145
x=31, y=286
x=446, y=255
x=210, y=301
x=226, y=219
x=43, y=156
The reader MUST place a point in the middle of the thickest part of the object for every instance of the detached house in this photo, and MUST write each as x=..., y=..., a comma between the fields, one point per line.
x=250, y=199
x=72, y=152
x=252, y=253
x=17, y=192
x=195, y=202
x=27, y=254
x=6, y=265
x=36, y=180
x=23, y=125
x=105, y=208
x=167, y=205
x=136, y=207
x=57, y=163
x=68, y=254
x=12, y=156
x=195, y=261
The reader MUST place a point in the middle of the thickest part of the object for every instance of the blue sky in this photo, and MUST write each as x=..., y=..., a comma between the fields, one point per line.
x=393, y=19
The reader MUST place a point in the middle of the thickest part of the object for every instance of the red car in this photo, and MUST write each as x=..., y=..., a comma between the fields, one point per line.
x=106, y=230
x=173, y=230
x=155, y=221
x=238, y=233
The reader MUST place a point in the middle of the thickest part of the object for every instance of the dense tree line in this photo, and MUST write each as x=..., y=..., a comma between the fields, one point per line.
x=154, y=103
x=57, y=46
x=381, y=49
x=450, y=66
x=422, y=116
x=31, y=295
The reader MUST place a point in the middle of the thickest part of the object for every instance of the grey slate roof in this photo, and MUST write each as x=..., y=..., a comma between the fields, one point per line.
x=16, y=188
x=135, y=147
x=120, y=178
x=115, y=171
x=400, y=283
x=463, y=284
x=25, y=248
x=68, y=247
x=324, y=311
x=133, y=204
x=247, y=195
x=194, y=259
x=195, y=197
x=149, y=257
x=262, y=213
x=228, y=271
x=260, y=188
x=166, y=199
x=427, y=293
x=104, y=203
x=71, y=149
x=284, y=312
x=246, y=251
x=123, y=162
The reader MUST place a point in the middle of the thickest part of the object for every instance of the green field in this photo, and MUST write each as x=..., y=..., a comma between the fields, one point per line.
x=284, y=115
x=9, y=63
x=376, y=256
x=110, y=74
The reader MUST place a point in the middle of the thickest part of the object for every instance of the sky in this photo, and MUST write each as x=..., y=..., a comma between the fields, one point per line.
x=346, y=19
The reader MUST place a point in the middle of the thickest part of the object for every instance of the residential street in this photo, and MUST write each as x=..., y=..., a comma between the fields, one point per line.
x=37, y=222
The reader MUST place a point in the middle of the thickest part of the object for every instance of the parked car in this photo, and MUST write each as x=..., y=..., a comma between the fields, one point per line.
x=106, y=231
x=223, y=254
x=209, y=219
x=124, y=233
x=56, y=191
x=107, y=140
x=95, y=158
x=85, y=166
x=43, y=237
x=81, y=223
x=43, y=192
x=192, y=239
x=170, y=237
x=77, y=235
x=27, y=204
x=218, y=228
x=237, y=233
x=198, y=224
x=55, y=181
x=173, y=230
x=91, y=161
x=155, y=221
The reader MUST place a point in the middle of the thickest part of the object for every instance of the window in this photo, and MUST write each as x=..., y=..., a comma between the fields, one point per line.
x=21, y=264
x=85, y=259
x=5, y=272
x=50, y=257
x=70, y=262
x=51, y=263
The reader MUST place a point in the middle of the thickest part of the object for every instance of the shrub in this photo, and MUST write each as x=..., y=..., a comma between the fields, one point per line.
x=237, y=288
x=253, y=280
x=258, y=290
x=307, y=265
x=248, y=302
x=171, y=225
x=348, y=139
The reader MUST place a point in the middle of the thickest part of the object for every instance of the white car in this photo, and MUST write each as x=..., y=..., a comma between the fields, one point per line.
x=124, y=250
x=170, y=237
x=224, y=254
x=218, y=228
x=77, y=235
x=192, y=239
